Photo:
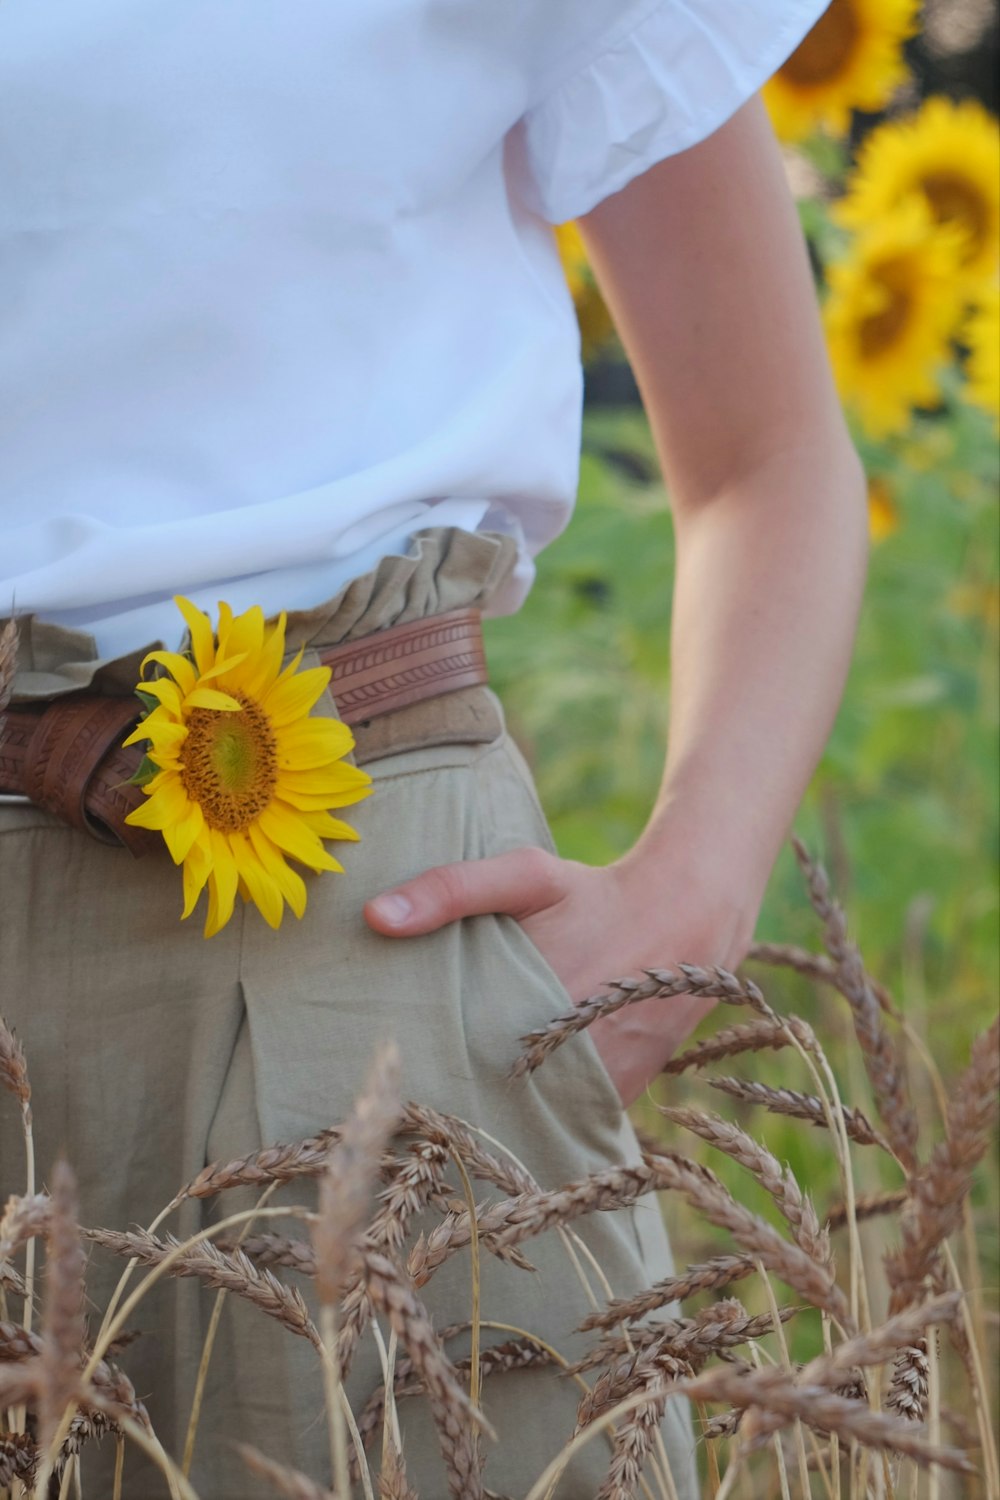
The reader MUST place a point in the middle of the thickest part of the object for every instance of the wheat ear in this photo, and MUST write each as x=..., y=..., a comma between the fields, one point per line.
x=687, y=979
x=882, y=1061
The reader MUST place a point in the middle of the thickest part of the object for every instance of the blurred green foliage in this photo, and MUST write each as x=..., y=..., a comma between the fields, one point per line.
x=903, y=805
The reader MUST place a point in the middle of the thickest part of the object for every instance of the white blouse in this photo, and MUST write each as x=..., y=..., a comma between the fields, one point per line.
x=278, y=281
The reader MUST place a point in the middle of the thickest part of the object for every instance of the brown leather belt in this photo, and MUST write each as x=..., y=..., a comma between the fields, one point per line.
x=67, y=755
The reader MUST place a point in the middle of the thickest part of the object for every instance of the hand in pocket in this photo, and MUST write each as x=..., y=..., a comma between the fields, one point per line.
x=591, y=925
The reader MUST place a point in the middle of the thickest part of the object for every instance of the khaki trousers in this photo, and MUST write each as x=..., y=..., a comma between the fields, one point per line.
x=153, y=1051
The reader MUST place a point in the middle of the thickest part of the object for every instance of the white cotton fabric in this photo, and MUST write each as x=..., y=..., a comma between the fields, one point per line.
x=280, y=287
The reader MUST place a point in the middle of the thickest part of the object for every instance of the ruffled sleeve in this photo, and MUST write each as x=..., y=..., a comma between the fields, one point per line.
x=664, y=79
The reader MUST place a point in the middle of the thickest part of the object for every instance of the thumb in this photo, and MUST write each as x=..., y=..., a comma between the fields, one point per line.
x=518, y=884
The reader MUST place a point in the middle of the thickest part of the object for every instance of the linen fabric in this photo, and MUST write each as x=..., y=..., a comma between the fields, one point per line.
x=153, y=1052
x=280, y=286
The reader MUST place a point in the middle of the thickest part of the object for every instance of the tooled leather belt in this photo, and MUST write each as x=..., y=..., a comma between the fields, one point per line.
x=67, y=756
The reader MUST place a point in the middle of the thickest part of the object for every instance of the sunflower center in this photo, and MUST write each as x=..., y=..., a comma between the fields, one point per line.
x=230, y=764
x=954, y=200
x=881, y=330
x=827, y=49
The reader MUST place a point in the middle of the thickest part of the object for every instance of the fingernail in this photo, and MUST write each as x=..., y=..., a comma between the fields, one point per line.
x=392, y=908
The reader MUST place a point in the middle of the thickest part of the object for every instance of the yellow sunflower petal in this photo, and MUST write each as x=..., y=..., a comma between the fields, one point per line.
x=177, y=665
x=225, y=622
x=243, y=636
x=316, y=742
x=265, y=673
x=223, y=664
x=166, y=692
x=165, y=735
x=288, y=881
x=264, y=890
x=285, y=830
x=221, y=885
x=179, y=836
x=197, y=866
x=168, y=804
x=204, y=697
x=293, y=698
x=323, y=788
x=304, y=802
x=326, y=827
x=291, y=669
x=200, y=627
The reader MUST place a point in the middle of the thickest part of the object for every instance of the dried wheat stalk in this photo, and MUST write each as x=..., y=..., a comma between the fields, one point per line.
x=882, y=1062
x=408, y=1193
x=11, y=1280
x=800, y=1107
x=724, y=1425
x=939, y=1190
x=910, y=1382
x=279, y=1163
x=867, y=1206
x=775, y=1391
x=722, y=1325
x=747, y=1036
x=287, y=1482
x=882, y=1342
x=18, y=1459
x=454, y=1134
x=23, y=1219
x=418, y=1181
x=760, y=1239
x=352, y=1163
x=692, y=979
x=17, y=1342
x=707, y=1276
x=618, y=1380
x=457, y=1420
x=274, y=1250
x=13, y=1066
x=392, y=1481
x=233, y=1271
x=498, y=1359
x=840, y=1371
x=62, y=1344
x=815, y=966
x=109, y=1386
x=635, y=1437
x=796, y=1206
x=501, y=1225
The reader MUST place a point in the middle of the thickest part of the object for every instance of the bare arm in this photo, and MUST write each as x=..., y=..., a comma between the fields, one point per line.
x=705, y=270
x=702, y=262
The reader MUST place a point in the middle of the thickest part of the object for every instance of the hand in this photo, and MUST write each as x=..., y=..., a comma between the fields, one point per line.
x=592, y=925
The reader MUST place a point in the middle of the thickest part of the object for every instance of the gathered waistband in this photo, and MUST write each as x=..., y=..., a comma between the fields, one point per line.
x=447, y=569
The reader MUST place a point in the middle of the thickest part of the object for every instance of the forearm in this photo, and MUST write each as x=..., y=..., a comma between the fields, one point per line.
x=769, y=579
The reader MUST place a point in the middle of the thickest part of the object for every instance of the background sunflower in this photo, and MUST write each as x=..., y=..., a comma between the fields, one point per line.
x=949, y=154
x=851, y=59
x=894, y=304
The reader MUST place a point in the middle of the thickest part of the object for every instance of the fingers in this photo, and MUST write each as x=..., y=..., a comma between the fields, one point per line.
x=517, y=884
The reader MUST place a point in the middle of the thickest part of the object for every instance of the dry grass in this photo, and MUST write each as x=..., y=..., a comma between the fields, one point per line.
x=846, y=1391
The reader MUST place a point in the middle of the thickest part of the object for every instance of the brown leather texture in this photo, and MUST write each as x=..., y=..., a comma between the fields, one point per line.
x=67, y=756
x=406, y=664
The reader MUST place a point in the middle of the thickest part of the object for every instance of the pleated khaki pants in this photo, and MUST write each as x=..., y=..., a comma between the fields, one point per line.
x=153, y=1052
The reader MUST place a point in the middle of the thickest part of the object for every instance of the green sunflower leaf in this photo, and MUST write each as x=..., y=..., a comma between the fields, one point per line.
x=145, y=772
